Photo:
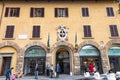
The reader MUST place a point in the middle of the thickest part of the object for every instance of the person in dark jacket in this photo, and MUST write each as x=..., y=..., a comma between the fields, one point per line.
x=36, y=71
x=48, y=69
x=57, y=69
x=8, y=73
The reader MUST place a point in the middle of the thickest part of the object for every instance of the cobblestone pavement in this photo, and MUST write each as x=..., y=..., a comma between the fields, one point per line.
x=61, y=77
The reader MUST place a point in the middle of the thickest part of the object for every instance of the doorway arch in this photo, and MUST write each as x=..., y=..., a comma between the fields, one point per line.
x=34, y=55
x=63, y=59
x=90, y=54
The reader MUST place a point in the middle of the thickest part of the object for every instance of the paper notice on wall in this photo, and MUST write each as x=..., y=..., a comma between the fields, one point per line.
x=22, y=36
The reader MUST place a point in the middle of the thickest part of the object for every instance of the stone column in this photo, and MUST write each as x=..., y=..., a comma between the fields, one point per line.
x=48, y=60
x=48, y=57
x=104, y=59
x=76, y=63
x=20, y=62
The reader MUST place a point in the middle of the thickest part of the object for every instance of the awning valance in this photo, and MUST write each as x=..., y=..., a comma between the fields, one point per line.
x=114, y=51
x=89, y=51
x=35, y=51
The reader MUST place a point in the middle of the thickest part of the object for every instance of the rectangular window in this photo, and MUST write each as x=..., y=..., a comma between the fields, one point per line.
x=9, y=32
x=110, y=11
x=12, y=12
x=85, y=12
x=37, y=12
x=61, y=12
x=87, y=31
x=36, y=32
x=114, y=31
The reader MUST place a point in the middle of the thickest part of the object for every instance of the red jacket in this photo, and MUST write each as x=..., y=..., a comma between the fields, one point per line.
x=91, y=67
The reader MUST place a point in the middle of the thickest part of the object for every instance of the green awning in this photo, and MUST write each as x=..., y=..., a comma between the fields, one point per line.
x=89, y=51
x=114, y=51
x=35, y=51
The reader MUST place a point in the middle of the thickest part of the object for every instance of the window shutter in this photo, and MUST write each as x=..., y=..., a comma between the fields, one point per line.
x=11, y=11
x=66, y=9
x=18, y=12
x=108, y=12
x=6, y=12
x=87, y=12
x=31, y=12
x=83, y=12
x=89, y=31
x=85, y=31
x=56, y=15
x=42, y=12
x=111, y=30
x=112, y=12
x=9, y=32
x=36, y=31
x=114, y=31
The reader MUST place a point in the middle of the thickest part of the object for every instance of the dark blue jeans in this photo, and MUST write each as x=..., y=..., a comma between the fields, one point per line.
x=7, y=77
x=36, y=74
x=57, y=74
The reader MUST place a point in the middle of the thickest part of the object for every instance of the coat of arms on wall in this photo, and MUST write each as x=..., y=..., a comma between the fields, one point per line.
x=62, y=33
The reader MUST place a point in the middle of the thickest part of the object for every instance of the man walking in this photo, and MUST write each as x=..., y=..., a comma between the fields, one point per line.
x=57, y=69
x=8, y=73
x=36, y=71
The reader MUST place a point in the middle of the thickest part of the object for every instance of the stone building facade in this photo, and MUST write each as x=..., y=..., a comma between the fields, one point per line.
x=72, y=33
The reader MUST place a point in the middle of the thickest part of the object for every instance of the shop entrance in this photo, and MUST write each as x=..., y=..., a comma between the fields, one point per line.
x=30, y=65
x=90, y=55
x=63, y=59
x=34, y=55
x=94, y=60
x=6, y=63
x=114, y=63
x=114, y=57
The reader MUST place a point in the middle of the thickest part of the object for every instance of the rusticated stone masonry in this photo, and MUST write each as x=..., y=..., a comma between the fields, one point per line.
x=16, y=47
x=75, y=69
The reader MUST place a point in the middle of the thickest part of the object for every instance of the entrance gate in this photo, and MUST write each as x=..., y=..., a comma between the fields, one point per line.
x=63, y=59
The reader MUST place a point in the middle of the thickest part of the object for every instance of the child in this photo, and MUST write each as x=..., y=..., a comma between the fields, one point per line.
x=13, y=76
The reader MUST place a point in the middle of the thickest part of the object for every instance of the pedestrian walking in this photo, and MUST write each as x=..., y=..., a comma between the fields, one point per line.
x=36, y=71
x=83, y=68
x=51, y=71
x=57, y=69
x=8, y=73
x=48, y=70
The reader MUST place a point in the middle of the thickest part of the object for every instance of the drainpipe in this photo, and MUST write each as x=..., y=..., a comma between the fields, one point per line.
x=2, y=12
